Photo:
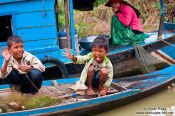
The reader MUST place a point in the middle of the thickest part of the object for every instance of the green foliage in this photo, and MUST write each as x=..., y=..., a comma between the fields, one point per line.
x=61, y=16
x=28, y=101
x=94, y=22
x=156, y=6
x=41, y=101
x=83, y=29
x=99, y=2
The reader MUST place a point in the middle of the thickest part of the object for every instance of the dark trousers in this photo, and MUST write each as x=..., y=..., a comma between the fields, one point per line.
x=96, y=80
x=30, y=82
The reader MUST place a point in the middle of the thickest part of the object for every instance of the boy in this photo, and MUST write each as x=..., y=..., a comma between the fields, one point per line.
x=98, y=70
x=22, y=69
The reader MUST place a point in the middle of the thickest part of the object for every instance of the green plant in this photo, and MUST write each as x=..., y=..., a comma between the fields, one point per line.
x=28, y=101
x=99, y=2
x=61, y=16
x=41, y=101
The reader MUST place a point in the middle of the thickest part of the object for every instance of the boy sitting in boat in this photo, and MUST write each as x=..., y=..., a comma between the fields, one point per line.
x=22, y=69
x=98, y=70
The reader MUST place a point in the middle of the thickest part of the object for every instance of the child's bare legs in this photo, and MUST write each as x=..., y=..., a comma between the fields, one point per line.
x=90, y=77
x=103, y=75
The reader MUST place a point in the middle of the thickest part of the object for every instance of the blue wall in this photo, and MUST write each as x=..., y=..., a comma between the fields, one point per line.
x=35, y=22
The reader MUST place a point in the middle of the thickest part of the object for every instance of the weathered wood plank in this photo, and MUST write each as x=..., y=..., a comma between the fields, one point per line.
x=164, y=57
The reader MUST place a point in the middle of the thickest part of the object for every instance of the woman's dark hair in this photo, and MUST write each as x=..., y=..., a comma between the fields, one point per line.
x=15, y=39
x=136, y=11
x=101, y=41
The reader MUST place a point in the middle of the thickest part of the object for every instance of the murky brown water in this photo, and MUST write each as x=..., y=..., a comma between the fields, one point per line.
x=162, y=102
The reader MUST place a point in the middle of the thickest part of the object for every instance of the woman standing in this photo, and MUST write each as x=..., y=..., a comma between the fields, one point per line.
x=126, y=28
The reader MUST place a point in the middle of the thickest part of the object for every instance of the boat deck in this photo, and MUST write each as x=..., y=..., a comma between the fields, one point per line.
x=61, y=91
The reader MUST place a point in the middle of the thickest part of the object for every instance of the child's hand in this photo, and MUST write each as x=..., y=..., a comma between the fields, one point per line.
x=6, y=54
x=24, y=68
x=68, y=54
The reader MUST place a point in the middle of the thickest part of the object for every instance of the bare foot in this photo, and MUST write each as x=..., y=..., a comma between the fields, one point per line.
x=103, y=91
x=90, y=91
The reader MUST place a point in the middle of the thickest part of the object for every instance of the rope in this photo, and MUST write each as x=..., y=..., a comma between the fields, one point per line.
x=31, y=82
x=145, y=61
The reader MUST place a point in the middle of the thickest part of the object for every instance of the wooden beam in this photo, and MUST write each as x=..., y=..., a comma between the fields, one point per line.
x=118, y=87
x=164, y=56
x=66, y=8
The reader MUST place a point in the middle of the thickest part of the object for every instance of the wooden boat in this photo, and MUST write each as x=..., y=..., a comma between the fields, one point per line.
x=123, y=58
x=122, y=91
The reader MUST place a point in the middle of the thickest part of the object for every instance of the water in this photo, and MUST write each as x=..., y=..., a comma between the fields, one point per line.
x=161, y=103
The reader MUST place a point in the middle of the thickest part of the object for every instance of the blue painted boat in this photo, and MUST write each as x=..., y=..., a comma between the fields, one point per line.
x=122, y=91
x=123, y=58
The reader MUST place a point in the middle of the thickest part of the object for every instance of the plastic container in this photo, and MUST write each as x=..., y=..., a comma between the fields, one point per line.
x=63, y=43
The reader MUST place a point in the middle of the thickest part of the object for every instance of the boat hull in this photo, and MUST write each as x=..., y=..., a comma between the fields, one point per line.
x=103, y=107
x=134, y=88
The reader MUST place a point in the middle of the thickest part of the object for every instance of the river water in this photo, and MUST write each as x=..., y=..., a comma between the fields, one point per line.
x=158, y=104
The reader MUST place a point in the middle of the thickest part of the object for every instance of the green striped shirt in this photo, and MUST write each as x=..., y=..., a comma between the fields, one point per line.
x=88, y=60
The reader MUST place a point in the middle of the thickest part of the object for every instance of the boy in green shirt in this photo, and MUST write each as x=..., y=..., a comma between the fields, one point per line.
x=98, y=70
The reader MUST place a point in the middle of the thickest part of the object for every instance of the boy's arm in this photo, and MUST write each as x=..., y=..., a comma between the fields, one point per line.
x=73, y=58
x=110, y=76
x=5, y=70
x=69, y=55
x=35, y=62
x=4, y=67
x=82, y=59
x=76, y=59
x=38, y=65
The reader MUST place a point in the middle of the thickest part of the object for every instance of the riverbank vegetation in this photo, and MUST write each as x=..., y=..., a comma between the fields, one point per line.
x=97, y=21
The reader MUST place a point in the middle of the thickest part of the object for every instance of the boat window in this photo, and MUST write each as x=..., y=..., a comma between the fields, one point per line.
x=5, y=27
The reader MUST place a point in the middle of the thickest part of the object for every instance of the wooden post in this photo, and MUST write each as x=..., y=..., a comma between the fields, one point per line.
x=161, y=19
x=160, y=27
x=66, y=8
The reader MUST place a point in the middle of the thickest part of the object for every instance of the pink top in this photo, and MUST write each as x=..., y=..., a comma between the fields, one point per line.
x=128, y=17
